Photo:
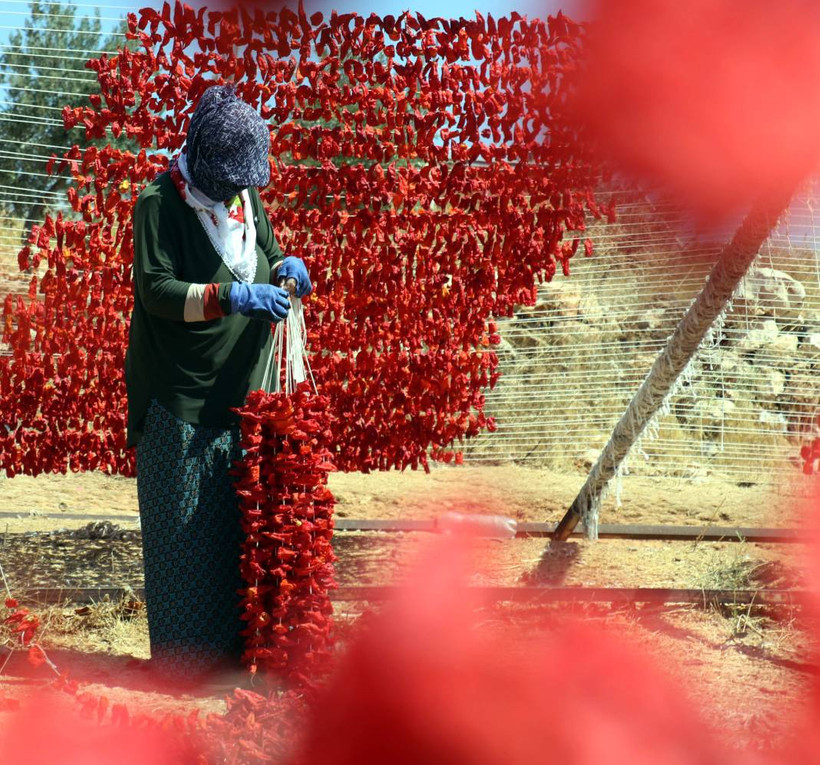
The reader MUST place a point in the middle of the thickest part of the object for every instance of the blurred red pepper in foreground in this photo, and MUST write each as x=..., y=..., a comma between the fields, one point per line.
x=429, y=682
x=716, y=100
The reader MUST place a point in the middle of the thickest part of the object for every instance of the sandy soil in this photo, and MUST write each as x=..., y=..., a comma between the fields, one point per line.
x=747, y=672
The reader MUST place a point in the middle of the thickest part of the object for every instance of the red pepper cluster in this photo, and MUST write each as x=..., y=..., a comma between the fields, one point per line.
x=422, y=168
x=287, y=517
x=810, y=454
x=22, y=622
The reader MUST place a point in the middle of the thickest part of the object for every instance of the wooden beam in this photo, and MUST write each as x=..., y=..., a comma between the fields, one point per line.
x=531, y=595
x=525, y=530
x=606, y=531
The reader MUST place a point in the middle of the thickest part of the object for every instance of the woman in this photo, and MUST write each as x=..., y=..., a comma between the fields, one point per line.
x=206, y=263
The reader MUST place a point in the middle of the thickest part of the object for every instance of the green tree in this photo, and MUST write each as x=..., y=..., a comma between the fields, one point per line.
x=42, y=70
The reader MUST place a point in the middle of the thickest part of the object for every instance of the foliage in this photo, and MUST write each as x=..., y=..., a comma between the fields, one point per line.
x=42, y=70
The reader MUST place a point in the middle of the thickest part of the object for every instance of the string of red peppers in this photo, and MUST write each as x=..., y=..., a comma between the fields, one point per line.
x=810, y=453
x=287, y=517
x=461, y=181
x=23, y=623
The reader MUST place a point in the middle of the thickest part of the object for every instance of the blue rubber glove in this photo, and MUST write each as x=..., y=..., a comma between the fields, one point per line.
x=293, y=268
x=260, y=301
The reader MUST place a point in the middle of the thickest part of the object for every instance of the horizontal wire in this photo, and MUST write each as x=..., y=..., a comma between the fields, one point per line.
x=764, y=473
x=606, y=402
x=39, y=76
x=17, y=105
x=39, y=175
x=52, y=15
x=563, y=375
x=17, y=142
x=704, y=458
x=629, y=331
x=36, y=70
x=47, y=92
x=613, y=404
x=637, y=464
x=18, y=190
x=63, y=31
x=668, y=316
x=74, y=4
x=6, y=115
x=24, y=157
x=695, y=469
x=53, y=123
x=513, y=384
x=44, y=176
x=27, y=49
x=689, y=467
x=746, y=451
x=654, y=343
x=28, y=193
x=505, y=424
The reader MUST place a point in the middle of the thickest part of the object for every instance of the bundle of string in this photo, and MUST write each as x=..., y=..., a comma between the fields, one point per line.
x=288, y=350
x=286, y=512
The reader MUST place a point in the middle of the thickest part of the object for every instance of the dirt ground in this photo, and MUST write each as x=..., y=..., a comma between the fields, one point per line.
x=747, y=671
x=524, y=493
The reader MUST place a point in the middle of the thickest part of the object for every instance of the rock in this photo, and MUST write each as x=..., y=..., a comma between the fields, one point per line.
x=586, y=459
x=507, y=350
x=802, y=395
x=786, y=345
x=768, y=383
x=560, y=298
x=763, y=335
x=769, y=292
x=641, y=363
x=775, y=421
x=590, y=309
x=535, y=318
x=768, y=346
x=714, y=411
x=709, y=415
x=525, y=339
x=570, y=332
x=811, y=345
x=731, y=368
x=651, y=319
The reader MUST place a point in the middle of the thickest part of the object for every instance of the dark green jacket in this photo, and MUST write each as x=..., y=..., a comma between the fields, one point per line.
x=196, y=370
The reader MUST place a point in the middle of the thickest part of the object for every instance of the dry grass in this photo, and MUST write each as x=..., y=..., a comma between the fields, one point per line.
x=115, y=626
x=738, y=569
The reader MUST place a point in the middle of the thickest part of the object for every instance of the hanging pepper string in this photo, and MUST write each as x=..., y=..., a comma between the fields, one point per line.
x=287, y=510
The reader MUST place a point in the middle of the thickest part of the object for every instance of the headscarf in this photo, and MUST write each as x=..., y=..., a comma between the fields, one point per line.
x=227, y=145
x=229, y=225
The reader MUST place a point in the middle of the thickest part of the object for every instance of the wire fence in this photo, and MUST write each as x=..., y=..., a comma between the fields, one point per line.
x=571, y=363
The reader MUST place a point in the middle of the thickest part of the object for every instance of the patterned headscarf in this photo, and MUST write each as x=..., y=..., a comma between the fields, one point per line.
x=227, y=145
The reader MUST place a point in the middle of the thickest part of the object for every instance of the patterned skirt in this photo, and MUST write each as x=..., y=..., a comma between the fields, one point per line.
x=191, y=540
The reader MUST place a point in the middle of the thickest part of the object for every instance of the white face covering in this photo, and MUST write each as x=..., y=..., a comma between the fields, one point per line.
x=229, y=225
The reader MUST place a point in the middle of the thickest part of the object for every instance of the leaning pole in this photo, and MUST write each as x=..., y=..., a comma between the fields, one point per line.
x=730, y=267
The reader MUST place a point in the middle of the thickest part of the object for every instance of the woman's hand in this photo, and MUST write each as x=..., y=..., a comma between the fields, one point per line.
x=293, y=268
x=260, y=301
